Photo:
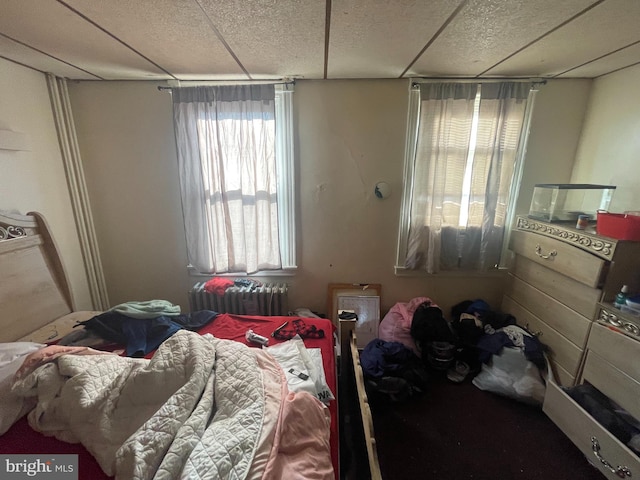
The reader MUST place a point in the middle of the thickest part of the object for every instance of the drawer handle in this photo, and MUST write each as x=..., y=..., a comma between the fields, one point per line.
x=551, y=254
x=622, y=472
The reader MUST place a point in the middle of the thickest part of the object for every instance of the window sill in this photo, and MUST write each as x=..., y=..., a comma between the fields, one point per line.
x=405, y=272
x=288, y=272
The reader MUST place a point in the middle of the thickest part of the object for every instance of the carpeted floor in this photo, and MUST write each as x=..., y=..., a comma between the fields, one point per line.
x=457, y=431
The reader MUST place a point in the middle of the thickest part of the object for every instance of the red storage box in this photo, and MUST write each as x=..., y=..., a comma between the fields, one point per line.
x=621, y=226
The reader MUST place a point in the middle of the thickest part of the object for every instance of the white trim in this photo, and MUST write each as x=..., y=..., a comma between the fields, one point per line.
x=72, y=160
x=285, y=167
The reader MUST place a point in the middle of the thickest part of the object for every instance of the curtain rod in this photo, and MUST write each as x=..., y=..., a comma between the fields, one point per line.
x=205, y=83
x=415, y=81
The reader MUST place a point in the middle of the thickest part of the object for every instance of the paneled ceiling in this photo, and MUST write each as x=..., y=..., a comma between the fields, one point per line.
x=320, y=39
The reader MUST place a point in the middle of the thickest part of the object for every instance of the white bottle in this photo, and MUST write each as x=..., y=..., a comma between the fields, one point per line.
x=621, y=298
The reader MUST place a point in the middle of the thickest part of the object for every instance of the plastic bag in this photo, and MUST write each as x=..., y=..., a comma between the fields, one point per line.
x=510, y=374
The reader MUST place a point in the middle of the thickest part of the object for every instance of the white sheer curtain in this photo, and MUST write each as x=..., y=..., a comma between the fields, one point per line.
x=467, y=143
x=225, y=137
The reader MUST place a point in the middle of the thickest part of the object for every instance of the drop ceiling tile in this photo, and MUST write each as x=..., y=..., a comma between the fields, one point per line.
x=272, y=38
x=607, y=27
x=373, y=39
x=621, y=59
x=485, y=32
x=231, y=39
x=52, y=28
x=174, y=34
x=39, y=61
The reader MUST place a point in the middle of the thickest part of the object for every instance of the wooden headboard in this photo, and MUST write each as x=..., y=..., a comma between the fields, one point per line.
x=34, y=288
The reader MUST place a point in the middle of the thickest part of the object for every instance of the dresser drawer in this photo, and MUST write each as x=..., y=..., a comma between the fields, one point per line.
x=575, y=295
x=619, y=387
x=617, y=349
x=560, y=257
x=561, y=350
x=562, y=377
x=558, y=316
x=588, y=435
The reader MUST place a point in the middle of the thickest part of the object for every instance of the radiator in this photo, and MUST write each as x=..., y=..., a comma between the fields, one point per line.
x=267, y=299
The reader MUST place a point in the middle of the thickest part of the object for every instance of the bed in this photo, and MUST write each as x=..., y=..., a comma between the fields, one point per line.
x=157, y=416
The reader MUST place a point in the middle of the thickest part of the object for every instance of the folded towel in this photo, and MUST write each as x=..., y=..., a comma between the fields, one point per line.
x=148, y=309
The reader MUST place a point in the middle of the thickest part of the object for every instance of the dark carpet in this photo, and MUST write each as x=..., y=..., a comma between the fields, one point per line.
x=457, y=431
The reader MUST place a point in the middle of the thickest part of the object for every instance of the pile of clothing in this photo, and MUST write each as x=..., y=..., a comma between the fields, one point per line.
x=141, y=326
x=508, y=359
x=219, y=285
x=620, y=423
x=392, y=370
x=463, y=347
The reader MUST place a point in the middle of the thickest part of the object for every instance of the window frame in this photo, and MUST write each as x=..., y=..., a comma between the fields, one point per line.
x=286, y=189
x=411, y=141
x=285, y=167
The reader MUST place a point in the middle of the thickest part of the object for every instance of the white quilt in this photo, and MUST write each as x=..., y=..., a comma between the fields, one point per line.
x=195, y=410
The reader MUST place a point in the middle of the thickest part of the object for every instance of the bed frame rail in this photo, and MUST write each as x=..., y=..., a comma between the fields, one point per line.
x=351, y=370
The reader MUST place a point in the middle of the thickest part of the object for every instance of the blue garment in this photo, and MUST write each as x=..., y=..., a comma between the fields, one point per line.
x=479, y=307
x=380, y=358
x=143, y=335
x=492, y=344
x=146, y=334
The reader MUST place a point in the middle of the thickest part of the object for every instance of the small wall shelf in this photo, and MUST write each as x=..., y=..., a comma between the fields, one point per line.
x=16, y=141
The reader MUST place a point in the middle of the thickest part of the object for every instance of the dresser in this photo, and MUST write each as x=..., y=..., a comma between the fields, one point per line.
x=612, y=365
x=558, y=276
x=561, y=287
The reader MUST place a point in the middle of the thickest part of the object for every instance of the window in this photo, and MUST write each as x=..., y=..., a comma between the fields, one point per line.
x=463, y=156
x=235, y=157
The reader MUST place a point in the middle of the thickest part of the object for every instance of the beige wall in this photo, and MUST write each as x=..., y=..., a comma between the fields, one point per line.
x=609, y=149
x=559, y=110
x=350, y=135
x=125, y=133
x=34, y=180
